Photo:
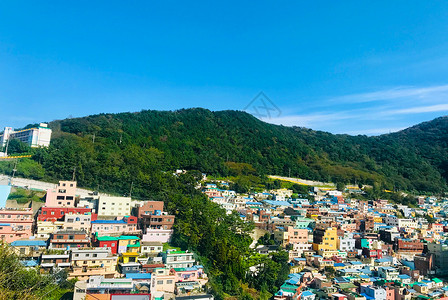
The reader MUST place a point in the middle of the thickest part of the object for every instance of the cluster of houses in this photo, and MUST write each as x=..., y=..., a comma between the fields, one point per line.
x=112, y=245
x=344, y=248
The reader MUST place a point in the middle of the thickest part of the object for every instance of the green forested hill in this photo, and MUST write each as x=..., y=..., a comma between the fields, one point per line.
x=113, y=150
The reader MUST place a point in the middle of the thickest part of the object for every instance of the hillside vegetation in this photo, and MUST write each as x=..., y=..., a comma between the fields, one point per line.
x=110, y=151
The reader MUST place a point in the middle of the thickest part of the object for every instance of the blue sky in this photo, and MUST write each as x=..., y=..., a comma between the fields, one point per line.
x=352, y=67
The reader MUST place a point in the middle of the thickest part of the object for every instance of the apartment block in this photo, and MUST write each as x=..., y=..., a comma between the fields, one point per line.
x=63, y=195
x=15, y=224
x=114, y=206
x=92, y=262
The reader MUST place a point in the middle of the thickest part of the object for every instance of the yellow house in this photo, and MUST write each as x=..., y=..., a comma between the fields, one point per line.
x=128, y=257
x=325, y=239
x=377, y=219
x=126, y=242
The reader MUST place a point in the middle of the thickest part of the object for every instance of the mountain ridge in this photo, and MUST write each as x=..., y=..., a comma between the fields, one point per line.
x=121, y=146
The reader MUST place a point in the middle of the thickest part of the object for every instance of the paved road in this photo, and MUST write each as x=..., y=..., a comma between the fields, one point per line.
x=35, y=184
x=302, y=181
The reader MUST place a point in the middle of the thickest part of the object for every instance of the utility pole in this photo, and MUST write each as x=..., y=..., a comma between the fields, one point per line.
x=130, y=192
x=74, y=172
x=15, y=169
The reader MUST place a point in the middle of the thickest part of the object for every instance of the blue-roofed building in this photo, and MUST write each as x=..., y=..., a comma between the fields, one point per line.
x=29, y=263
x=307, y=295
x=404, y=278
x=139, y=276
x=32, y=248
x=276, y=203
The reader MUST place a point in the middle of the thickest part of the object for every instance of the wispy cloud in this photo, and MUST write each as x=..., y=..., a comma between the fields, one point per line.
x=369, y=113
x=420, y=109
x=422, y=93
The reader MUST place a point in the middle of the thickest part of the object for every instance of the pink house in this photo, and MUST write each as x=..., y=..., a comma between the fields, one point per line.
x=296, y=235
x=62, y=196
x=157, y=235
x=195, y=273
x=15, y=224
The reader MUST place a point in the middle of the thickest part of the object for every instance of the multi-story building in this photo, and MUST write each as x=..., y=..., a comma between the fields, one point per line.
x=127, y=225
x=98, y=287
x=400, y=223
x=151, y=247
x=439, y=253
x=374, y=292
x=92, y=262
x=407, y=245
x=15, y=224
x=46, y=228
x=297, y=235
x=162, y=280
x=114, y=206
x=64, y=195
x=178, y=259
x=128, y=243
x=298, y=249
x=388, y=273
x=159, y=220
x=31, y=248
x=347, y=243
x=59, y=213
x=157, y=235
x=77, y=222
x=34, y=137
x=128, y=263
x=150, y=208
x=67, y=239
x=325, y=238
x=50, y=261
x=110, y=242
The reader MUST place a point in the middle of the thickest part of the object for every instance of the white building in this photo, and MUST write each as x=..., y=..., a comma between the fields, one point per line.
x=34, y=137
x=401, y=223
x=114, y=206
x=347, y=243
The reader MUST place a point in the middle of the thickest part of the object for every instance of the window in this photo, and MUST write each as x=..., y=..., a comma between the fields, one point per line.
x=95, y=255
x=76, y=255
x=159, y=281
x=169, y=282
x=71, y=237
x=44, y=212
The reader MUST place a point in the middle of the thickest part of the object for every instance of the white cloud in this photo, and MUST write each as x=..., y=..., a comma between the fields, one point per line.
x=420, y=109
x=403, y=93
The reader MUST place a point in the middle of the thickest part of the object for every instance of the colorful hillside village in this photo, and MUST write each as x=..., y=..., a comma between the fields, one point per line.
x=111, y=245
x=343, y=248
x=339, y=247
